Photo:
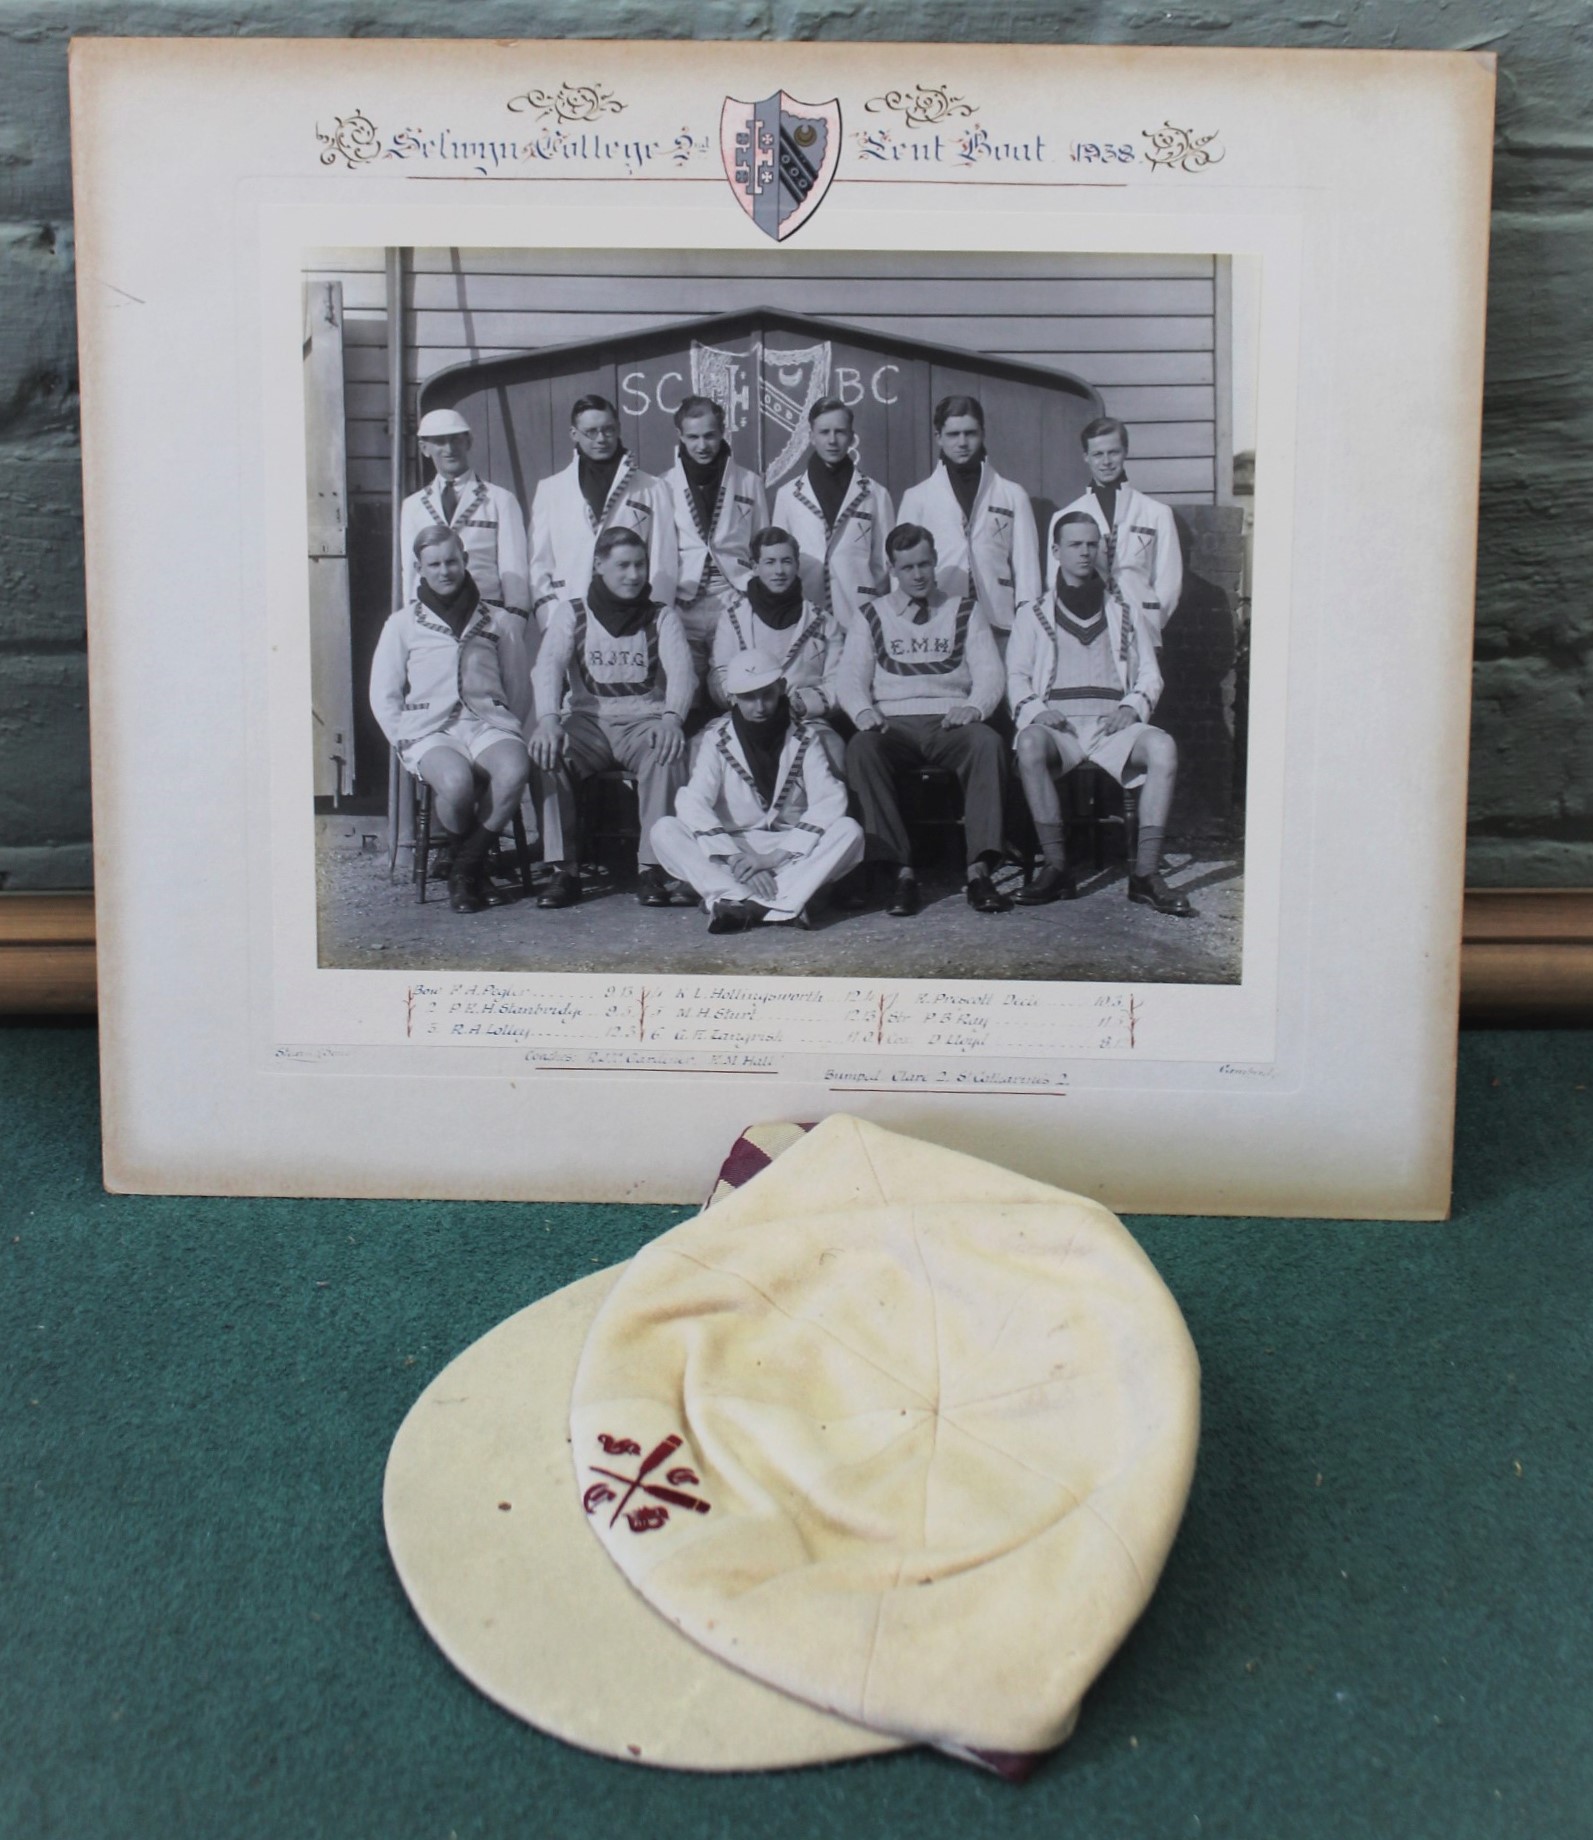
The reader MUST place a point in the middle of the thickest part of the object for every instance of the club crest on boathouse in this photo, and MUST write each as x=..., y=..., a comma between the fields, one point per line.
x=780, y=156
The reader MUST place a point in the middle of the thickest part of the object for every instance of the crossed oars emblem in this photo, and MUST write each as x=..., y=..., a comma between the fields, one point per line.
x=643, y=1520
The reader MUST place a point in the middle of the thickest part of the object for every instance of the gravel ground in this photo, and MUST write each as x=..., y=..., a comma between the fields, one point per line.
x=367, y=922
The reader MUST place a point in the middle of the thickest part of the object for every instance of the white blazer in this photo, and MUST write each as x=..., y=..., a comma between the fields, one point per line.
x=742, y=511
x=843, y=567
x=720, y=804
x=564, y=533
x=1032, y=658
x=492, y=529
x=996, y=551
x=1147, y=564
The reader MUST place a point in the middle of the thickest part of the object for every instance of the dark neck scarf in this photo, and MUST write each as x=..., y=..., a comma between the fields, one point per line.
x=597, y=479
x=1106, y=496
x=778, y=611
x=919, y=603
x=702, y=481
x=456, y=610
x=619, y=619
x=965, y=476
x=1082, y=610
x=830, y=485
x=761, y=742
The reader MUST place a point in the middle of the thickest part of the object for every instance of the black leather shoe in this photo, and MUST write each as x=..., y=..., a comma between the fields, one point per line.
x=463, y=896
x=497, y=894
x=1051, y=884
x=563, y=891
x=653, y=889
x=904, y=894
x=732, y=917
x=984, y=897
x=1152, y=891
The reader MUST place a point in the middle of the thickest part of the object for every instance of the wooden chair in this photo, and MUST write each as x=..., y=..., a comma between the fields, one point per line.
x=1093, y=805
x=607, y=816
x=409, y=814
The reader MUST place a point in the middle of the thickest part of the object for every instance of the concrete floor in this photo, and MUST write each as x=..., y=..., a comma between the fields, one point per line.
x=366, y=921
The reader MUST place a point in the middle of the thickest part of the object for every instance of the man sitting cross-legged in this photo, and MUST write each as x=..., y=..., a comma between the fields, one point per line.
x=451, y=687
x=1082, y=680
x=919, y=675
x=761, y=826
x=627, y=665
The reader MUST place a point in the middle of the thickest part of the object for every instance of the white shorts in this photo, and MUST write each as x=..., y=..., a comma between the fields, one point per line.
x=467, y=734
x=1108, y=752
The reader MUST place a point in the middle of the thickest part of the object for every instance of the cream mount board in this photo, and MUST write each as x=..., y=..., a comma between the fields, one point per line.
x=1269, y=265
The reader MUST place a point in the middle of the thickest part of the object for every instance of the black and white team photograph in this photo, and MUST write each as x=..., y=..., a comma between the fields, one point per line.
x=780, y=615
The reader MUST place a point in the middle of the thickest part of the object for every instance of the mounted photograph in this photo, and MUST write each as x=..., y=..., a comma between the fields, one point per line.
x=781, y=614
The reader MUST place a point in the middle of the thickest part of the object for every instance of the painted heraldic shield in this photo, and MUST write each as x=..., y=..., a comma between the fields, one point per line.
x=780, y=156
x=768, y=391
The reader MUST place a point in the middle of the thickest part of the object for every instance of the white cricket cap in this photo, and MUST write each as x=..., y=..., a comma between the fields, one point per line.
x=896, y=1431
x=487, y=1535
x=437, y=422
x=749, y=671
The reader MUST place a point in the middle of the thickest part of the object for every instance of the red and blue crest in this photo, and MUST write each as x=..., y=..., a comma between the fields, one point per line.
x=780, y=156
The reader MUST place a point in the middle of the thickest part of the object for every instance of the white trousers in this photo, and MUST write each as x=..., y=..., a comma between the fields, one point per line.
x=839, y=849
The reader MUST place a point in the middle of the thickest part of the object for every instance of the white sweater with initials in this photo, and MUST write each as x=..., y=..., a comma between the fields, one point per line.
x=647, y=673
x=902, y=666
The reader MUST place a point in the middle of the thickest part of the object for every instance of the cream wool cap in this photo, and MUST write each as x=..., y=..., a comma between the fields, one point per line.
x=437, y=422
x=897, y=1431
x=490, y=1544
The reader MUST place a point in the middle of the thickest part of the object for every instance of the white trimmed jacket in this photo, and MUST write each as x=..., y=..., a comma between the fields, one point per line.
x=741, y=511
x=995, y=550
x=564, y=533
x=490, y=525
x=844, y=566
x=808, y=652
x=722, y=808
x=1032, y=659
x=423, y=678
x=1147, y=563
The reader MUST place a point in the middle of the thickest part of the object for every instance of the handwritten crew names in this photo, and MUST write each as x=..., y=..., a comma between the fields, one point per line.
x=696, y=1021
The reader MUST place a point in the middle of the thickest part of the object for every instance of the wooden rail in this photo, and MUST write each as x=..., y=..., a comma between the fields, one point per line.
x=1527, y=955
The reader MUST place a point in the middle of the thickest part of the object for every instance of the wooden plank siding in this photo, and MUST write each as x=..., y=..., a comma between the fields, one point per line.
x=1141, y=330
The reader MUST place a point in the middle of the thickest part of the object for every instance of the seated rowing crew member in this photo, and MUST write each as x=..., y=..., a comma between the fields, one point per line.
x=920, y=675
x=627, y=666
x=451, y=688
x=1082, y=679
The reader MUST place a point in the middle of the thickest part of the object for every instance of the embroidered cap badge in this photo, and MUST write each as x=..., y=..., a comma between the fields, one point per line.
x=649, y=1516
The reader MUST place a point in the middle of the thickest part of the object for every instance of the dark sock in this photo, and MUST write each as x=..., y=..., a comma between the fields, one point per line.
x=1148, y=852
x=1051, y=844
x=471, y=852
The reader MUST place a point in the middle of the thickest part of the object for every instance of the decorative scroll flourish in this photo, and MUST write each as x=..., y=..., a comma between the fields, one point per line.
x=650, y=1516
x=352, y=139
x=1179, y=148
x=571, y=102
x=925, y=106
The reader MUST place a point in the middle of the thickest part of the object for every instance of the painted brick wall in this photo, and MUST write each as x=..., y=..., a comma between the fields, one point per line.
x=1532, y=739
